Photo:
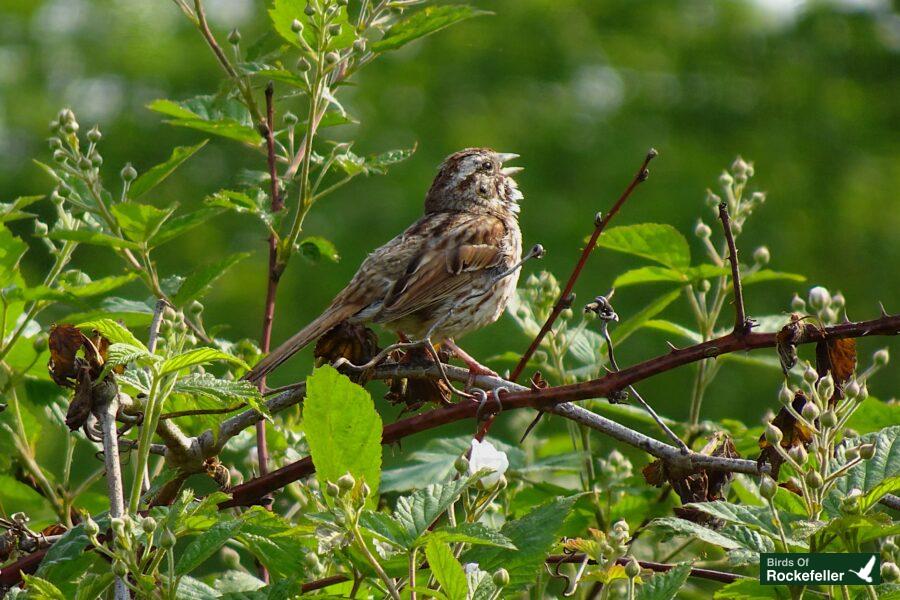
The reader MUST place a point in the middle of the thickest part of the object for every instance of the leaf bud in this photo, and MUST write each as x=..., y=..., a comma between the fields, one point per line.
x=882, y=357
x=331, y=489
x=334, y=30
x=758, y=197
x=359, y=45
x=148, y=524
x=128, y=173
x=365, y=490
x=632, y=568
x=725, y=179
x=705, y=286
x=296, y=26
x=332, y=58
x=55, y=143
x=825, y=387
x=890, y=572
x=810, y=375
x=851, y=390
x=761, y=256
x=60, y=156
x=814, y=480
x=309, y=10
x=799, y=454
x=290, y=118
x=850, y=434
x=500, y=577
x=838, y=301
x=819, y=298
x=828, y=419
x=85, y=164
x=168, y=539
x=798, y=304
x=867, y=451
x=119, y=568
x=94, y=135
x=702, y=230
x=773, y=434
x=767, y=487
x=851, y=453
x=71, y=127
x=96, y=160
x=785, y=394
x=303, y=65
x=90, y=527
x=346, y=482
x=234, y=38
x=118, y=526
x=195, y=308
x=311, y=560
x=461, y=465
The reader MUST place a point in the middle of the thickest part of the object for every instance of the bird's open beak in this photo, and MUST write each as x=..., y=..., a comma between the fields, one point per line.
x=505, y=157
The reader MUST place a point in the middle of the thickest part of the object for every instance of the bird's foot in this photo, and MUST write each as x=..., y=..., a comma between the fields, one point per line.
x=475, y=367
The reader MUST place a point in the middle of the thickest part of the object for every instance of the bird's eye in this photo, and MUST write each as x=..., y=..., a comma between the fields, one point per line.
x=487, y=165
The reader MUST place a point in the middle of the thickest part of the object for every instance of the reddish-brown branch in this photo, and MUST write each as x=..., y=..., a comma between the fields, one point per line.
x=250, y=491
x=742, y=325
x=565, y=297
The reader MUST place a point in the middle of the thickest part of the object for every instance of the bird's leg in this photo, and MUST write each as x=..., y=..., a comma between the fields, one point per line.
x=475, y=367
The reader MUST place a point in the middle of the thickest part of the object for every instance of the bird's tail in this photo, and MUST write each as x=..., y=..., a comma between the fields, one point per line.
x=298, y=341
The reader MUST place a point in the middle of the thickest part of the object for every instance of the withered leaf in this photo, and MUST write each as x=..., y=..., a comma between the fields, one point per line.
x=65, y=341
x=694, y=484
x=354, y=342
x=837, y=356
x=794, y=434
x=415, y=392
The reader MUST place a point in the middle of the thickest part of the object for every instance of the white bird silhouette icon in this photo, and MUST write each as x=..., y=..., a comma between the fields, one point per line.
x=866, y=572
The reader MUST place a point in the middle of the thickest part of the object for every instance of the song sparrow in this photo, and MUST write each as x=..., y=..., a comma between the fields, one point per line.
x=426, y=281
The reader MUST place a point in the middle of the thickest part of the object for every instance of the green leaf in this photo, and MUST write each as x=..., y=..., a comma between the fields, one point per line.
x=41, y=589
x=12, y=211
x=140, y=222
x=375, y=164
x=194, y=589
x=869, y=474
x=534, y=535
x=122, y=354
x=471, y=533
x=206, y=544
x=114, y=332
x=343, y=429
x=664, y=586
x=198, y=356
x=181, y=224
x=199, y=283
x=758, y=518
x=315, y=248
x=93, y=585
x=130, y=312
x=284, y=589
x=447, y=570
x=425, y=22
x=274, y=541
x=223, y=117
x=630, y=325
x=11, y=251
x=690, y=529
x=658, y=242
x=874, y=414
x=222, y=390
x=155, y=175
x=665, y=275
x=750, y=589
x=92, y=237
x=891, y=485
x=283, y=13
x=674, y=329
x=769, y=275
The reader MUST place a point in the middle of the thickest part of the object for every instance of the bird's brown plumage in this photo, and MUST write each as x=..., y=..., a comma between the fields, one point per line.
x=432, y=272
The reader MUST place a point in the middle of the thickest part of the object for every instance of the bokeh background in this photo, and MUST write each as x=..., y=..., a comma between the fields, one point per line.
x=809, y=91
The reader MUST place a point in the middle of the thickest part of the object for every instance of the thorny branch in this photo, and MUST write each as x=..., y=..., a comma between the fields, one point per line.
x=566, y=298
x=191, y=453
x=742, y=324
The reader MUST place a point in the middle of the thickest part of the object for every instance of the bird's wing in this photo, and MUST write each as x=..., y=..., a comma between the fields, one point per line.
x=451, y=262
x=864, y=573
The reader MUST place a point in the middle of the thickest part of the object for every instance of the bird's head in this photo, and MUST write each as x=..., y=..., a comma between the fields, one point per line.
x=475, y=180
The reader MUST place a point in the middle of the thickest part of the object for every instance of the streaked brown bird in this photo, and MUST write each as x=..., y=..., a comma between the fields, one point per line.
x=427, y=280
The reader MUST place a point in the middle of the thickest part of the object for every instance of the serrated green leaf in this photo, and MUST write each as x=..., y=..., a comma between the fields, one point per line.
x=157, y=174
x=140, y=222
x=758, y=518
x=199, y=282
x=673, y=328
x=694, y=530
x=425, y=22
x=92, y=237
x=12, y=211
x=206, y=544
x=223, y=117
x=656, y=241
x=181, y=224
x=764, y=275
x=93, y=585
x=470, y=533
x=11, y=251
x=867, y=475
x=343, y=429
x=664, y=586
x=654, y=274
x=198, y=356
x=283, y=13
x=122, y=354
x=41, y=589
x=115, y=333
x=132, y=313
x=446, y=569
x=534, y=535
x=214, y=388
x=315, y=248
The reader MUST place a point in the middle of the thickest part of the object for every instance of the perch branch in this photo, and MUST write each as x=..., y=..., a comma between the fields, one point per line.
x=566, y=298
x=113, y=474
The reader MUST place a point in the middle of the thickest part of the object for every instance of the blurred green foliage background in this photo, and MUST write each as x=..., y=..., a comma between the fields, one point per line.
x=807, y=90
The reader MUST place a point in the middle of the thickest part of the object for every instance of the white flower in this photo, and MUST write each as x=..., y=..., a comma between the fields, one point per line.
x=470, y=568
x=485, y=456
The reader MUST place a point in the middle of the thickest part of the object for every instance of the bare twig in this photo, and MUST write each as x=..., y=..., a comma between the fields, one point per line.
x=742, y=325
x=161, y=305
x=565, y=298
